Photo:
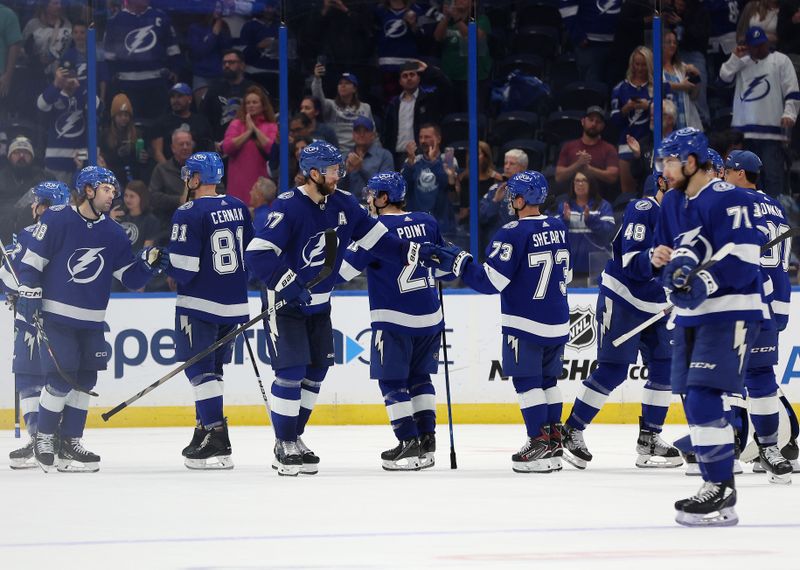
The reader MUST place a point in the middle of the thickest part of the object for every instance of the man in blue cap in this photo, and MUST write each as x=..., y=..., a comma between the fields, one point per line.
x=765, y=102
x=367, y=159
x=179, y=117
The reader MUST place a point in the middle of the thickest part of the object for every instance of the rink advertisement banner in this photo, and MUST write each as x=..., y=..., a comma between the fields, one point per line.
x=140, y=340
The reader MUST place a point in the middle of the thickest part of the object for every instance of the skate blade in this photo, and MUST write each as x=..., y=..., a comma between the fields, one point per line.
x=426, y=461
x=776, y=479
x=286, y=470
x=20, y=464
x=737, y=467
x=309, y=469
x=576, y=462
x=658, y=461
x=212, y=463
x=70, y=466
x=535, y=466
x=556, y=463
x=724, y=517
x=758, y=468
x=693, y=470
x=411, y=464
x=795, y=466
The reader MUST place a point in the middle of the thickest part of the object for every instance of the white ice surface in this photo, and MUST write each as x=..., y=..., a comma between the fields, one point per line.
x=144, y=510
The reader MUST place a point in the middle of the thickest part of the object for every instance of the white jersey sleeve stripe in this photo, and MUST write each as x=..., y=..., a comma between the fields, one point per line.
x=622, y=290
x=119, y=272
x=372, y=236
x=185, y=262
x=749, y=253
x=728, y=303
x=499, y=280
x=780, y=307
x=212, y=308
x=348, y=272
x=8, y=279
x=404, y=319
x=73, y=312
x=628, y=257
x=260, y=244
x=35, y=260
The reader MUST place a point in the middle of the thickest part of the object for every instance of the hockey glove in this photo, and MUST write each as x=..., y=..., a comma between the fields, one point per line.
x=423, y=254
x=292, y=290
x=155, y=258
x=452, y=259
x=688, y=291
x=29, y=307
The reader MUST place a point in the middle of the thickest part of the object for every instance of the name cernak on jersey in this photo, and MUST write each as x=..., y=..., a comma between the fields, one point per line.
x=549, y=238
x=222, y=216
x=412, y=231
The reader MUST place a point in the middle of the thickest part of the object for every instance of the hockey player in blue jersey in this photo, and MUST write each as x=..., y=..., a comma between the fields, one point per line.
x=528, y=263
x=630, y=293
x=209, y=235
x=718, y=315
x=741, y=169
x=285, y=255
x=406, y=325
x=26, y=365
x=65, y=283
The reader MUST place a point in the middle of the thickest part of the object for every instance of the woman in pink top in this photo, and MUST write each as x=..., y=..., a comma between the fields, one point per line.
x=248, y=141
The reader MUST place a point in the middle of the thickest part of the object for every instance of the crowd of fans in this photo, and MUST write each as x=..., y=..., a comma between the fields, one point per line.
x=563, y=87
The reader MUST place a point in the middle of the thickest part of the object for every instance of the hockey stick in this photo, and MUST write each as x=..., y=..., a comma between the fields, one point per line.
x=255, y=370
x=16, y=414
x=453, y=463
x=331, y=243
x=43, y=335
x=718, y=255
x=788, y=234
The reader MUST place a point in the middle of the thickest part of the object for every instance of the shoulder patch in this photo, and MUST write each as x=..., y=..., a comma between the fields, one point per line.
x=57, y=208
x=511, y=225
x=644, y=205
x=722, y=186
x=186, y=206
x=286, y=195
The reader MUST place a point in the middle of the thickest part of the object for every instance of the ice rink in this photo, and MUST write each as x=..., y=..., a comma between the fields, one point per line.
x=145, y=510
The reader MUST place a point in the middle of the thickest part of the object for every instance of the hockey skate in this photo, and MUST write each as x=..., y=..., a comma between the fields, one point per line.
x=23, y=458
x=575, y=450
x=214, y=451
x=534, y=457
x=711, y=506
x=197, y=438
x=74, y=458
x=655, y=452
x=427, y=448
x=556, y=446
x=692, y=466
x=44, y=451
x=790, y=451
x=404, y=457
x=288, y=460
x=310, y=460
x=774, y=464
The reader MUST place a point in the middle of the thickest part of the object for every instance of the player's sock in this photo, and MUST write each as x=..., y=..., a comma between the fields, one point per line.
x=73, y=419
x=285, y=402
x=711, y=433
x=656, y=395
x=555, y=402
x=762, y=397
x=595, y=392
x=532, y=403
x=399, y=408
x=423, y=402
x=208, y=390
x=51, y=406
x=29, y=407
x=310, y=387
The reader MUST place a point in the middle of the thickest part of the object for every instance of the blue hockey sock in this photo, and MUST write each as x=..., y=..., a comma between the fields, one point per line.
x=532, y=403
x=51, y=406
x=762, y=395
x=712, y=434
x=656, y=395
x=208, y=389
x=596, y=389
x=29, y=407
x=285, y=401
x=555, y=401
x=398, y=407
x=73, y=420
x=309, y=390
x=423, y=402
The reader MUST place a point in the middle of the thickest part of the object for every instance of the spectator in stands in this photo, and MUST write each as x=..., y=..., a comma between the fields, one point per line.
x=765, y=103
x=224, y=97
x=493, y=210
x=451, y=31
x=18, y=177
x=630, y=109
x=260, y=39
x=690, y=19
x=397, y=24
x=723, y=16
x=430, y=183
x=344, y=31
x=416, y=105
x=682, y=79
x=299, y=126
x=262, y=195
x=311, y=107
x=761, y=13
x=344, y=109
x=641, y=149
x=10, y=45
x=591, y=26
x=47, y=37
x=180, y=117
x=367, y=159
x=248, y=142
x=488, y=177
x=167, y=189
x=118, y=142
x=295, y=174
x=590, y=221
x=789, y=30
x=590, y=154
x=142, y=227
x=75, y=58
x=207, y=40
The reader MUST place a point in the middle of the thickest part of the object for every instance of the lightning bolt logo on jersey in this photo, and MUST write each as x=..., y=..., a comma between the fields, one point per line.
x=313, y=253
x=85, y=264
x=140, y=40
x=67, y=132
x=758, y=88
x=397, y=43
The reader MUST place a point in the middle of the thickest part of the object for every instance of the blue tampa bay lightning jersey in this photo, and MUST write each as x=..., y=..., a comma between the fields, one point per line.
x=528, y=263
x=628, y=277
x=294, y=238
x=206, y=254
x=718, y=214
x=402, y=298
x=73, y=260
x=669, y=217
x=636, y=124
x=23, y=240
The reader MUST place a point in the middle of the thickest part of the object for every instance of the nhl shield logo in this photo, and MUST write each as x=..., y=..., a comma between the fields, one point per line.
x=582, y=333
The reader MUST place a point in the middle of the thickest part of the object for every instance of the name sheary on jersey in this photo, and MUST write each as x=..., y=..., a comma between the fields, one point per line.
x=549, y=237
x=223, y=216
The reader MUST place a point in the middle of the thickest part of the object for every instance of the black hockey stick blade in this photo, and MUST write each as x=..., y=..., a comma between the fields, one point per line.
x=331, y=244
x=790, y=233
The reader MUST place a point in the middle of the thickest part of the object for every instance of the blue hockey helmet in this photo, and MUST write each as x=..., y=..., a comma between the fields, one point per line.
x=716, y=160
x=207, y=164
x=94, y=176
x=390, y=182
x=319, y=155
x=531, y=185
x=53, y=192
x=681, y=144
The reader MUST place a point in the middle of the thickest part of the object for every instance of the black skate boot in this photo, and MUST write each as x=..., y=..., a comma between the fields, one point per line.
x=777, y=467
x=655, y=452
x=556, y=446
x=575, y=450
x=288, y=460
x=534, y=457
x=404, y=457
x=197, y=438
x=23, y=457
x=74, y=458
x=310, y=460
x=44, y=451
x=427, y=448
x=790, y=451
x=711, y=506
x=214, y=452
